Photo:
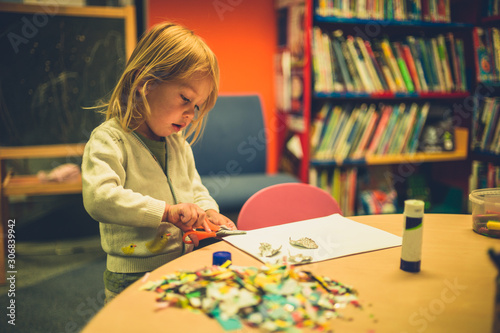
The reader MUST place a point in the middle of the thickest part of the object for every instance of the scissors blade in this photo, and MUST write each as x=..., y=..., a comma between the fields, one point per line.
x=224, y=232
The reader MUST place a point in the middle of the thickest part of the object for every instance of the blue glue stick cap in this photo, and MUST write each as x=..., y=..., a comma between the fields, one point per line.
x=220, y=257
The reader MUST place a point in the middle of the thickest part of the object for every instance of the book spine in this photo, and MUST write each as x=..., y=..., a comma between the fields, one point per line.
x=381, y=127
x=358, y=130
x=443, y=57
x=351, y=67
x=455, y=65
x=496, y=50
x=393, y=65
x=377, y=66
x=410, y=125
x=407, y=67
x=415, y=51
x=360, y=66
x=369, y=65
x=342, y=64
x=399, y=129
x=367, y=136
x=437, y=64
x=461, y=61
x=418, y=129
x=428, y=70
x=495, y=128
x=391, y=83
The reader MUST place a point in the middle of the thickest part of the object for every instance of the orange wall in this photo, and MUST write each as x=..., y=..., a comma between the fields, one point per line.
x=242, y=33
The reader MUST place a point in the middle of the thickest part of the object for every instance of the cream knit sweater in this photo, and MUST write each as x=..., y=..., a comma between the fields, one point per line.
x=125, y=189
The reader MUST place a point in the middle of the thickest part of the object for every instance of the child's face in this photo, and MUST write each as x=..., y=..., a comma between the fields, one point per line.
x=173, y=106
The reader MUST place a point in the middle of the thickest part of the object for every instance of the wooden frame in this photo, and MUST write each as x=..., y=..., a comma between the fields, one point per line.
x=127, y=13
x=29, y=184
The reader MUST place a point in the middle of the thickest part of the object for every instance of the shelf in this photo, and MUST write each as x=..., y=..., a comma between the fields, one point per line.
x=460, y=153
x=495, y=84
x=490, y=19
x=484, y=154
x=31, y=185
x=417, y=24
x=63, y=150
x=394, y=95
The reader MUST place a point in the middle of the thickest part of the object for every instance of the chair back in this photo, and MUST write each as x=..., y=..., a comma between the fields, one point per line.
x=234, y=140
x=285, y=203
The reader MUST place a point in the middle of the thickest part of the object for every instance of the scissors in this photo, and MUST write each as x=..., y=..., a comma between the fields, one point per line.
x=217, y=231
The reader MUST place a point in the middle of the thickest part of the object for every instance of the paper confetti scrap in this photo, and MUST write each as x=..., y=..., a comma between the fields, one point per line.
x=273, y=297
x=266, y=250
x=304, y=242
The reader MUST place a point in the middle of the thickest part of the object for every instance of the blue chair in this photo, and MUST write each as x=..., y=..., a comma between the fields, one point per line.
x=231, y=154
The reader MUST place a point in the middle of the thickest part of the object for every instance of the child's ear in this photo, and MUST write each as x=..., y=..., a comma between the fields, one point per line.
x=141, y=88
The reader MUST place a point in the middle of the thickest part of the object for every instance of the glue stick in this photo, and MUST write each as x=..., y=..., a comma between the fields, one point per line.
x=411, y=251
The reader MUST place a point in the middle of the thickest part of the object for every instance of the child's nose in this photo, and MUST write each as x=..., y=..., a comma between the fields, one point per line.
x=189, y=113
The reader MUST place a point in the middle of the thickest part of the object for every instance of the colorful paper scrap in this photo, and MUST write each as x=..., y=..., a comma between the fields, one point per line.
x=274, y=297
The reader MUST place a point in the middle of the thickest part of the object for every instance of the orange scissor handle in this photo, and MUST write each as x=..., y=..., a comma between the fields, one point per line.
x=201, y=233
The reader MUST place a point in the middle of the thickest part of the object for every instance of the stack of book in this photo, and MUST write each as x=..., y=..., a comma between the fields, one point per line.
x=487, y=54
x=341, y=183
x=484, y=175
x=351, y=132
x=401, y=10
x=486, y=126
x=491, y=8
x=413, y=66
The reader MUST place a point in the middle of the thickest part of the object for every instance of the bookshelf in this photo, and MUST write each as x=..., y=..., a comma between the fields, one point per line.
x=322, y=79
x=485, y=128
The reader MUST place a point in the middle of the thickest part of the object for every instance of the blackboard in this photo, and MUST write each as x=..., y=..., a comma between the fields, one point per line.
x=52, y=67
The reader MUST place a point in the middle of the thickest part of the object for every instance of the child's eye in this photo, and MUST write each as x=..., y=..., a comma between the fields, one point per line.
x=185, y=99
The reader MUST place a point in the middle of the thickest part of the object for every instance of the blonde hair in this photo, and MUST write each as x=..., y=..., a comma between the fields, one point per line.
x=166, y=53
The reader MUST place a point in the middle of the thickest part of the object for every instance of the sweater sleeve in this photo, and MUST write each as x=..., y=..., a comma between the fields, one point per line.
x=104, y=196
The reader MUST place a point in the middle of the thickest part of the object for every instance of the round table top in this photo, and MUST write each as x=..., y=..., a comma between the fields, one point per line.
x=453, y=292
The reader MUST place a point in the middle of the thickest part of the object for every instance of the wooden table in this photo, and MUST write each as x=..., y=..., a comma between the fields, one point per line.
x=454, y=292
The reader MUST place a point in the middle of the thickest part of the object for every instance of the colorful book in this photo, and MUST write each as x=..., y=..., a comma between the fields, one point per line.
x=392, y=127
x=360, y=65
x=412, y=69
x=351, y=67
x=437, y=64
x=319, y=125
x=417, y=59
x=484, y=69
x=495, y=35
x=418, y=128
x=429, y=71
x=455, y=73
x=393, y=65
x=445, y=63
x=367, y=115
x=369, y=65
x=367, y=136
x=461, y=61
x=339, y=56
x=377, y=66
x=385, y=70
x=386, y=111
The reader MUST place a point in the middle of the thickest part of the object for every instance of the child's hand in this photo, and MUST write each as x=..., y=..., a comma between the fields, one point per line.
x=220, y=219
x=186, y=216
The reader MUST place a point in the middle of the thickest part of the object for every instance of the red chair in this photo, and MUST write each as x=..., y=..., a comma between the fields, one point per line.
x=285, y=203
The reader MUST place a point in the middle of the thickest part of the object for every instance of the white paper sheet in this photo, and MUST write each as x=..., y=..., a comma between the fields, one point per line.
x=335, y=235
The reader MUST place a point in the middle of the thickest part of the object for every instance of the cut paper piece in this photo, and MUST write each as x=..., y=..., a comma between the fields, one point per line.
x=276, y=298
x=335, y=235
